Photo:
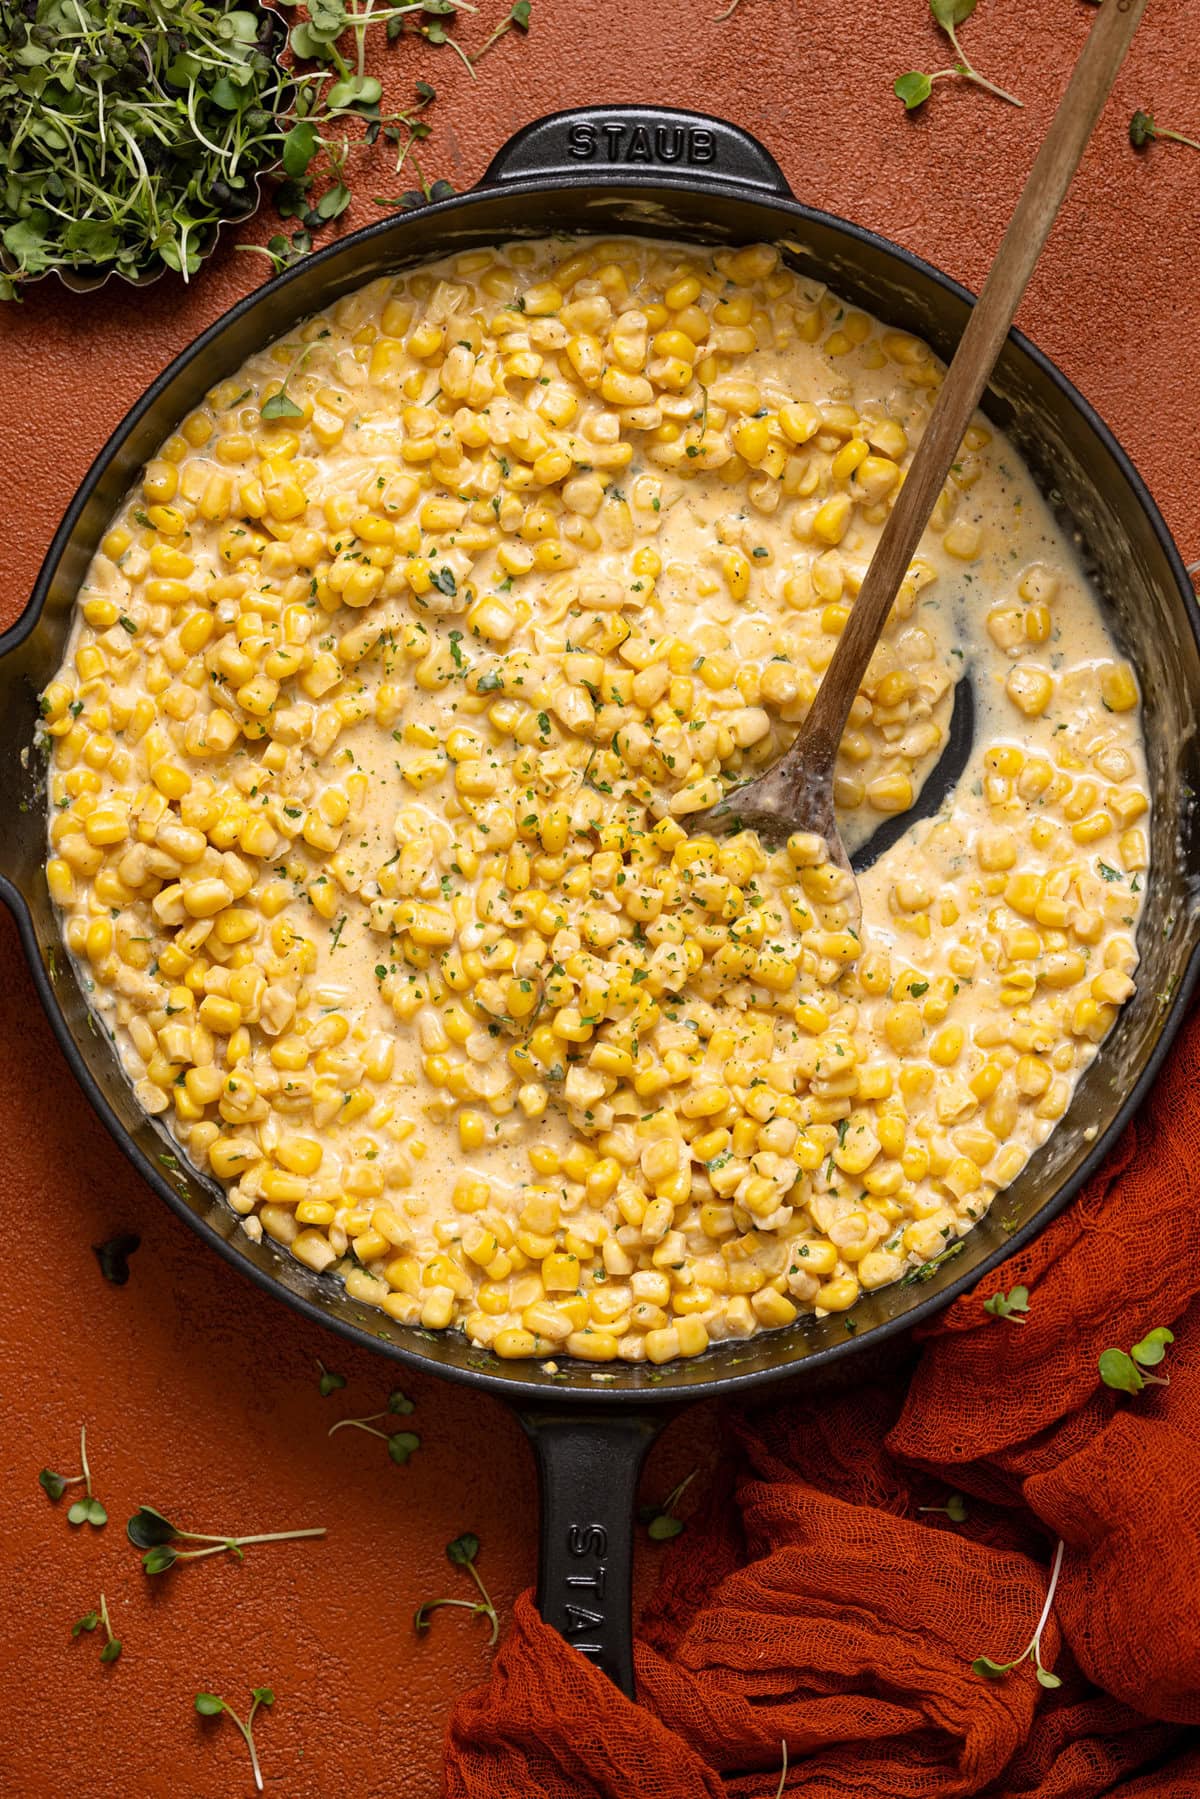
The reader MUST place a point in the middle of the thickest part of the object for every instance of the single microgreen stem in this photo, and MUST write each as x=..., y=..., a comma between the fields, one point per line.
x=87, y=1473
x=365, y=1424
x=462, y=56
x=677, y=1493
x=1056, y=1569
x=783, y=1745
x=660, y=1520
x=955, y=1509
x=247, y=1730
x=223, y=1543
x=488, y=1607
x=971, y=73
x=996, y=1670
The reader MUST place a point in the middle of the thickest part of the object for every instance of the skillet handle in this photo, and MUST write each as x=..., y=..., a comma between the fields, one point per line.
x=637, y=143
x=588, y=1469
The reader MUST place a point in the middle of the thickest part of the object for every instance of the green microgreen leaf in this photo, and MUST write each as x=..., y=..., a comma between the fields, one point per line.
x=355, y=90
x=159, y=1559
x=280, y=406
x=113, y=1256
x=950, y=13
x=147, y=1528
x=299, y=147
x=914, y=89
x=1119, y=1371
x=1152, y=1348
x=329, y=1382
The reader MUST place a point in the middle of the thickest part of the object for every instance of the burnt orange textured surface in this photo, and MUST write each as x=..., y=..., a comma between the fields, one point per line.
x=200, y=1393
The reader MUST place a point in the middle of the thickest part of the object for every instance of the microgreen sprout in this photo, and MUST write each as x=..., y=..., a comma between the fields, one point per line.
x=113, y=1256
x=87, y=1510
x=1127, y=1373
x=149, y=1530
x=517, y=18
x=783, y=1744
x=1012, y=1305
x=660, y=1520
x=210, y=1706
x=111, y=1651
x=401, y=1443
x=1143, y=131
x=462, y=1552
x=329, y=1382
x=997, y=1670
x=955, y=1508
x=915, y=88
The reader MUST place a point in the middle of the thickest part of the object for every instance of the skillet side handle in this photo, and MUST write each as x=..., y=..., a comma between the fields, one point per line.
x=588, y=1469
x=637, y=143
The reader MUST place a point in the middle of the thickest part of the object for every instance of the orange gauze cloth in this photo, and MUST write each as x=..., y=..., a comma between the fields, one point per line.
x=812, y=1603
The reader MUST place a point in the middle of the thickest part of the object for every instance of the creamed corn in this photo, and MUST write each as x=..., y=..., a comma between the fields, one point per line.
x=392, y=689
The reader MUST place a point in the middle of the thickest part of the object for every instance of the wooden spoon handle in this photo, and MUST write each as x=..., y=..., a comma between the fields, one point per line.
x=967, y=376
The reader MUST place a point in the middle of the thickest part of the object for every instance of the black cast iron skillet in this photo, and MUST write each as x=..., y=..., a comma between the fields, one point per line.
x=661, y=173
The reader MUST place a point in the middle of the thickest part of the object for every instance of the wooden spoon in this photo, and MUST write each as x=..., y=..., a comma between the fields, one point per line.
x=796, y=793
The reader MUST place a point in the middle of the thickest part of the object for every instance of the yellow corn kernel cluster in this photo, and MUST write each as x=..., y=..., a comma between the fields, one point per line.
x=374, y=756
